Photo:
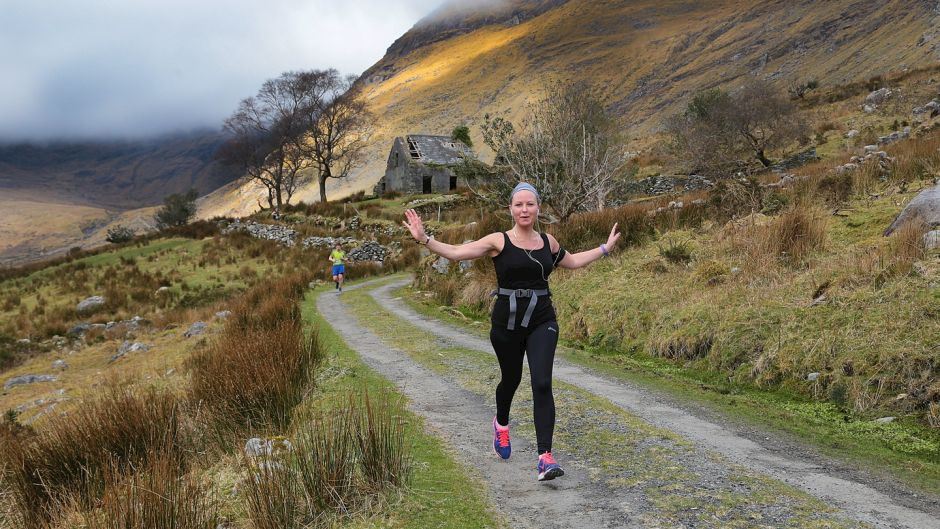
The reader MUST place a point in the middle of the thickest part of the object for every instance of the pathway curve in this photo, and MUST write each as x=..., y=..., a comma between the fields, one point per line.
x=576, y=500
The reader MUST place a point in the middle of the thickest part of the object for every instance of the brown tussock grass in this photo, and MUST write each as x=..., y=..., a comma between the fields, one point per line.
x=790, y=239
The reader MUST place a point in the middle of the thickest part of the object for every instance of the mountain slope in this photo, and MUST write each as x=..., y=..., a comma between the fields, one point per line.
x=645, y=57
x=115, y=175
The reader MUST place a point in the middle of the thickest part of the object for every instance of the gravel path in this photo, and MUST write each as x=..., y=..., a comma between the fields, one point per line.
x=574, y=500
x=457, y=414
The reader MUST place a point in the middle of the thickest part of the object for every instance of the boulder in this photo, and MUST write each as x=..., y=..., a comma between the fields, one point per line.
x=812, y=377
x=442, y=265
x=90, y=304
x=129, y=347
x=932, y=239
x=79, y=329
x=22, y=380
x=925, y=206
x=196, y=329
x=878, y=96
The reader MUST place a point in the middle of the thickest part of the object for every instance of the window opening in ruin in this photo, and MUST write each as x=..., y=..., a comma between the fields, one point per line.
x=413, y=149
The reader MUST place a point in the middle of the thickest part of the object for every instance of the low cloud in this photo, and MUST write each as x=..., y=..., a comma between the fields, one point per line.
x=94, y=70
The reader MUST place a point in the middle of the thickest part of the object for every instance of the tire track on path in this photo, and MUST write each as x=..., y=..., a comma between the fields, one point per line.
x=457, y=415
x=857, y=500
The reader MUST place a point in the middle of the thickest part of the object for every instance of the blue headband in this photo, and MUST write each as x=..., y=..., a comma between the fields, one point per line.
x=525, y=186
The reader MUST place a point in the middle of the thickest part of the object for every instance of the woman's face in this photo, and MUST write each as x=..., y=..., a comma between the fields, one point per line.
x=524, y=208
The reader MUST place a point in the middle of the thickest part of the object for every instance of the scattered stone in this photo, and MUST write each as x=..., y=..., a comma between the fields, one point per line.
x=196, y=329
x=327, y=242
x=369, y=251
x=23, y=380
x=852, y=133
x=885, y=420
x=442, y=265
x=932, y=239
x=870, y=148
x=90, y=304
x=272, y=232
x=162, y=290
x=258, y=447
x=845, y=168
x=79, y=329
x=129, y=347
x=925, y=205
x=819, y=301
x=60, y=365
x=812, y=377
x=878, y=96
x=868, y=109
x=24, y=341
x=902, y=396
x=735, y=270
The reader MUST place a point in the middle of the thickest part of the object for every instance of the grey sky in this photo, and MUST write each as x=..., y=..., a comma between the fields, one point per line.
x=113, y=68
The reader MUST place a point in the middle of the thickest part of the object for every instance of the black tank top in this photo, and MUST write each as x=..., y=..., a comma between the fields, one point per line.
x=518, y=268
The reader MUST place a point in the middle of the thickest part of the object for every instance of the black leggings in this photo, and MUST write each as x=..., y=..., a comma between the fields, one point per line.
x=538, y=343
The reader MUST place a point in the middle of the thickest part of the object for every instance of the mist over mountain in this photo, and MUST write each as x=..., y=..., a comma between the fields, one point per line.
x=115, y=174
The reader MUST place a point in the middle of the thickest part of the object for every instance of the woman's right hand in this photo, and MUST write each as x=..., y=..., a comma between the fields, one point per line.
x=415, y=226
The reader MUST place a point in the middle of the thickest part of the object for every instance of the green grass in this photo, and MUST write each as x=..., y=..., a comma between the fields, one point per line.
x=439, y=495
x=904, y=450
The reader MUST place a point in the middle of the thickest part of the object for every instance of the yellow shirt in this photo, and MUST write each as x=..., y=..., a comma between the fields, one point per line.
x=337, y=257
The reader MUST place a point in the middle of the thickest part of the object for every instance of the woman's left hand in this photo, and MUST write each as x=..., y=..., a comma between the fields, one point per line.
x=613, y=238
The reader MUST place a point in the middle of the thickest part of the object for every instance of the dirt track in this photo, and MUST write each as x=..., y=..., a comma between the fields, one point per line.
x=714, y=462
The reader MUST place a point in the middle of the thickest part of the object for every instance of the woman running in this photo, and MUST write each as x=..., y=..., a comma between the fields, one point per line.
x=339, y=268
x=523, y=319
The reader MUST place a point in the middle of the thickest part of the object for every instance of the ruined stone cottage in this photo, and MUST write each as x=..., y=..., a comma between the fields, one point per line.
x=420, y=163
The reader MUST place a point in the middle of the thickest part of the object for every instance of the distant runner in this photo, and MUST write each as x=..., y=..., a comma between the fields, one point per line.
x=523, y=319
x=338, y=257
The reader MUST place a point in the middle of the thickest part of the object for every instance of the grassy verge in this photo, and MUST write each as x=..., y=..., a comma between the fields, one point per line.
x=819, y=424
x=626, y=454
x=438, y=495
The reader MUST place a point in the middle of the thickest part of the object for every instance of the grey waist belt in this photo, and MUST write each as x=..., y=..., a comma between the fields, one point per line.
x=520, y=293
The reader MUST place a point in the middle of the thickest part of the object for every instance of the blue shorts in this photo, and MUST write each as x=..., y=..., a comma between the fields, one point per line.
x=339, y=269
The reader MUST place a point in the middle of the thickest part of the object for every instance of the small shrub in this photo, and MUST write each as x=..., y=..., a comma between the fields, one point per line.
x=711, y=272
x=836, y=188
x=119, y=234
x=676, y=251
x=732, y=198
x=775, y=202
x=381, y=439
x=158, y=496
x=71, y=454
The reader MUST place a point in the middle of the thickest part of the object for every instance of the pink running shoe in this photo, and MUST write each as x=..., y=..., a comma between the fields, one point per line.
x=548, y=469
x=501, y=440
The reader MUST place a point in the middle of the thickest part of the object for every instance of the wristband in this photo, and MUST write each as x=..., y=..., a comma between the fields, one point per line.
x=604, y=250
x=426, y=241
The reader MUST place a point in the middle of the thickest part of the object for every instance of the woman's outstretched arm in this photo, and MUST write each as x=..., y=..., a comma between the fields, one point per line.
x=572, y=261
x=463, y=252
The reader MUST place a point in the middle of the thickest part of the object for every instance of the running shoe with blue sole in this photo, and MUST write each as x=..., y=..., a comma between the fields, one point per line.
x=501, y=444
x=548, y=469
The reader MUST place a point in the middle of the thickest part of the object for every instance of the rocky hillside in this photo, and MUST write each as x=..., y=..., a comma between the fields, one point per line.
x=645, y=57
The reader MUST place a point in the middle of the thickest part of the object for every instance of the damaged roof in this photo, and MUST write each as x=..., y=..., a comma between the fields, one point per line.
x=441, y=150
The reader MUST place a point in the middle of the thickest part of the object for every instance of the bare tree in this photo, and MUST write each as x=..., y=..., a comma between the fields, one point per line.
x=568, y=147
x=266, y=135
x=721, y=133
x=337, y=126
